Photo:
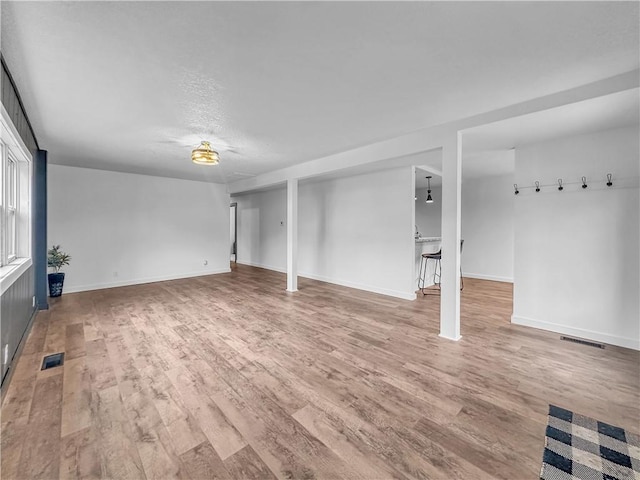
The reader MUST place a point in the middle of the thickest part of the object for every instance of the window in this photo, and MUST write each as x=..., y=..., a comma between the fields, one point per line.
x=12, y=205
x=15, y=201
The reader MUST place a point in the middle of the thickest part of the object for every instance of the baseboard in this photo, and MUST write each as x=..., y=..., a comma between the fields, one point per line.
x=577, y=332
x=453, y=339
x=141, y=281
x=261, y=265
x=493, y=278
x=359, y=286
x=343, y=283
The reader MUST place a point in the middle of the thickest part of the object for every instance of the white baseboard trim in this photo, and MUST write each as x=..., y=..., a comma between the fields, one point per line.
x=261, y=265
x=343, y=283
x=577, y=332
x=453, y=339
x=359, y=286
x=493, y=278
x=140, y=281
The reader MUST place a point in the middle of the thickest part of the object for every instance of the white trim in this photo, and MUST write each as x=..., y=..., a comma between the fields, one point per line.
x=12, y=272
x=359, y=286
x=493, y=278
x=140, y=281
x=449, y=338
x=14, y=152
x=343, y=283
x=577, y=332
x=261, y=265
x=14, y=136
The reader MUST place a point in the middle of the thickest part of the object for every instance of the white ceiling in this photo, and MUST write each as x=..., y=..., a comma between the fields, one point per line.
x=475, y=164
x=602, y=113
x=133, y=86
x=489, y=149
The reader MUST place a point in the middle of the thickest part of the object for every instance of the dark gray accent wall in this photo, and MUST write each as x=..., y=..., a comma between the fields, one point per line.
x=16, y=304
x=16, y=310
x=39, y=217
x=13, y=105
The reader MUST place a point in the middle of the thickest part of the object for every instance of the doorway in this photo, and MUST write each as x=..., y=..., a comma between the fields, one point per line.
x=233, y=226
x=427, y=226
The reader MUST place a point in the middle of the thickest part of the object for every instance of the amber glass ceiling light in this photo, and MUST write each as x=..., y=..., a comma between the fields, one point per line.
x=205, y=155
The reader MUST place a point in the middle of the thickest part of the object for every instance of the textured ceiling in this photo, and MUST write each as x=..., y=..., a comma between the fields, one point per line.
x=133, y=86
x=488, y=149
x=602, y=113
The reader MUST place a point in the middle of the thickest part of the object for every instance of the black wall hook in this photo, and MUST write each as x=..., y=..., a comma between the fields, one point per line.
x=537, y=186
x=584, y=182
x=609, y=182
x=515, y=187
x=560, y=187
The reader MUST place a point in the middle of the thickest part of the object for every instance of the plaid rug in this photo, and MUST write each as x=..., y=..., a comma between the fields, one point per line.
x=581, y=447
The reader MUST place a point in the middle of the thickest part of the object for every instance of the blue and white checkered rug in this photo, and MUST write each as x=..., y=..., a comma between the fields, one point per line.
x=579, y=447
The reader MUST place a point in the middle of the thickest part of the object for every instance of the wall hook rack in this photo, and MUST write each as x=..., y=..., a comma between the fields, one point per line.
x=582, y=182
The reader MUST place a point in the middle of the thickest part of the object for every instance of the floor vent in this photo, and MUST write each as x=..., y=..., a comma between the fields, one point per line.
x=51, y=361
x=582, y=342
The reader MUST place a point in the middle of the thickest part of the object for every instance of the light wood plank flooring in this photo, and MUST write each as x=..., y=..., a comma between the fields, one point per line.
x=229, y=376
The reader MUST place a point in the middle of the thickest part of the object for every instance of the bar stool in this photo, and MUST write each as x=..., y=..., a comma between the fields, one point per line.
x=437, y=271
x=424, y=263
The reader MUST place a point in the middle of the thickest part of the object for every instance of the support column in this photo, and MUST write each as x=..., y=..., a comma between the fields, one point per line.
x=39, y=228
x=292, y=235
x=451, y=198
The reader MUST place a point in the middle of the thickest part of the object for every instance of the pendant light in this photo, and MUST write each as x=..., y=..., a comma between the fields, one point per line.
x=205, y=155
x=429, y=199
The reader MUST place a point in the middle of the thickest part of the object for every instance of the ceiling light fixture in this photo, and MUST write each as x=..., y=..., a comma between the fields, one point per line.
x=205, y=155
x=429, y=199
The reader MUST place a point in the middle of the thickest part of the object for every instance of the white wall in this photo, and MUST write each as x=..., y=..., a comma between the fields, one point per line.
x=123, y=229
x=358, y=231
x=576, y=265
x=487, y=227
x=355, y=231
x=262, y=229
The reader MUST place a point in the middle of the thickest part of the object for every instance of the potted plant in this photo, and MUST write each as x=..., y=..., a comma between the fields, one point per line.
x=56, y=259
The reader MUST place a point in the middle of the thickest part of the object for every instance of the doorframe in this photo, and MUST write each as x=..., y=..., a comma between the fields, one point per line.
x=235, y=229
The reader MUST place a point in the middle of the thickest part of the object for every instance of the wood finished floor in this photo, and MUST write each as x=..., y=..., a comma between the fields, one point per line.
x=229, y=376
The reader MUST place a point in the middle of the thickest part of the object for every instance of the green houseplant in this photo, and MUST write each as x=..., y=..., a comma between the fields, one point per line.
x=56, y=259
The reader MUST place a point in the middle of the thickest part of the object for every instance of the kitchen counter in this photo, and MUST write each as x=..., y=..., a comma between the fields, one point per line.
x=428, y=239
